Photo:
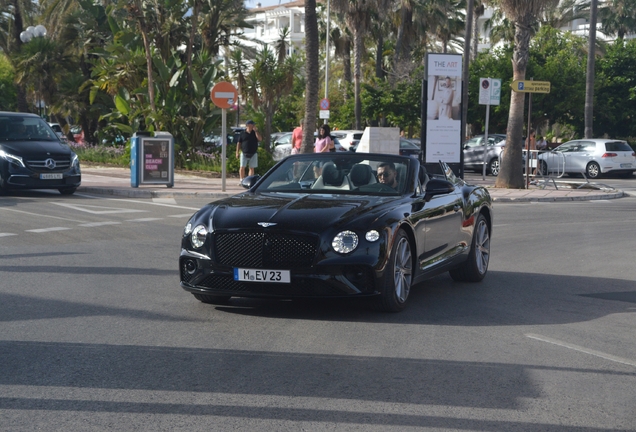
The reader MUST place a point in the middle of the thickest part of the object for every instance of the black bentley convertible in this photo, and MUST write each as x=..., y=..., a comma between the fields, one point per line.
x=330, y=225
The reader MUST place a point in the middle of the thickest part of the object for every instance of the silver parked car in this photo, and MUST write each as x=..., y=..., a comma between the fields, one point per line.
x=591, y=157
x=474, y=153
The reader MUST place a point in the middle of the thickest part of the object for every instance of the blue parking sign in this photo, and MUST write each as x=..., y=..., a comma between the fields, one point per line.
x=520, y=86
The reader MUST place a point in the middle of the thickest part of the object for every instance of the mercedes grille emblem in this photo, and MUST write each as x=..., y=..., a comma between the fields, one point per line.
x=49, y=163
x=266, y=224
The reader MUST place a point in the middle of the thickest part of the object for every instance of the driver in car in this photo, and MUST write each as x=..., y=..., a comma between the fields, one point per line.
x=387, y=174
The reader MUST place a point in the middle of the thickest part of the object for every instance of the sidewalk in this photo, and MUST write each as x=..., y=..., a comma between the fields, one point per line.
x=116, y=182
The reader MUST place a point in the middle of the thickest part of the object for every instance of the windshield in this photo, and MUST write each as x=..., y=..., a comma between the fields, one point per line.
x=357, y=174
x=25, y=128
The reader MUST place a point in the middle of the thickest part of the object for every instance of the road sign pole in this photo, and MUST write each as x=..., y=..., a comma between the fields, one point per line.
x=223, y=147
x=485, y=161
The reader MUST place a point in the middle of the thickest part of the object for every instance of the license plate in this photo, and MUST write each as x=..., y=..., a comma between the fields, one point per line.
x=51, y=176
x=626, y=165
x=258, y=275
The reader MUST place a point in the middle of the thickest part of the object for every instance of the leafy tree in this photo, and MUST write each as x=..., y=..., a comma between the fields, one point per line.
x=615, y=112
x=8, y=100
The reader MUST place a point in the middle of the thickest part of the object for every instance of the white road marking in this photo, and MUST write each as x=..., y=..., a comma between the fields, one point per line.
x=43, y=230
x=96, y=224
x=181, y=215
x=98, y=209
x=143, y=220
x=164, y=200
x=138, y=201
x=41, y=215
x=6, y=234
x=582, y=349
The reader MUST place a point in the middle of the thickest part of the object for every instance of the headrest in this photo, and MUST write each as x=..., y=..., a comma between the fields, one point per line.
x=331, y=175
x=361, y=174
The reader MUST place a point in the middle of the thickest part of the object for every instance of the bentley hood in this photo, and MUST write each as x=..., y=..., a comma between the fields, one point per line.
x=310, y=212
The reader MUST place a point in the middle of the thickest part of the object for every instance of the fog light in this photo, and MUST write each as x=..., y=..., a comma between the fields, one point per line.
x=191, y=266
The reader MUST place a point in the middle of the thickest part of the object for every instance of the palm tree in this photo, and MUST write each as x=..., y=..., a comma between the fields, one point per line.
x=589, y=77
x=523, y=13
x=357, y=14
x=618, y=17
x=311, y=72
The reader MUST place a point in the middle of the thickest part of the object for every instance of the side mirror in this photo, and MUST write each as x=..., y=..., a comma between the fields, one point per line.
x=438, y=187
x=250, y=181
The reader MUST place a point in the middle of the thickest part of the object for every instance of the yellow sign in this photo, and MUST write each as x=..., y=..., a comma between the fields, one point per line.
x=531, y=86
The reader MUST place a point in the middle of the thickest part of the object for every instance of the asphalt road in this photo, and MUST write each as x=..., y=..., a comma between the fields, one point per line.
x=96, y=334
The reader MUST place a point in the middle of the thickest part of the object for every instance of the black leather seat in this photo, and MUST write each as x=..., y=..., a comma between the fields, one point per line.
x=361, y=174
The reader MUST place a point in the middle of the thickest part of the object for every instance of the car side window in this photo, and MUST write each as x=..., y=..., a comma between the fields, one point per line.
x=588, y=146
x=473, y=142
x=568, y=147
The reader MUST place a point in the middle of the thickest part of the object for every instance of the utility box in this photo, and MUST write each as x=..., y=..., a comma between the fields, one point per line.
x=380, y=140
x=152, y=159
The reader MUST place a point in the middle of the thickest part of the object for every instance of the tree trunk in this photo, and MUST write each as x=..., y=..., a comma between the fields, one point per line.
x=346, y=60
x=589, y=78
x=311, y=68
x=357, y=73
x=379, y=71
x=193, y=30
x=144, y=34
x=511, y=171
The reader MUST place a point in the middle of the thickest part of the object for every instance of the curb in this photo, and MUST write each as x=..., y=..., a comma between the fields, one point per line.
x=616, y=195
x=141, y=193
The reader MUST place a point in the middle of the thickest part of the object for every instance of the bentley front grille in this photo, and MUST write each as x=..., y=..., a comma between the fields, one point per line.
x=265, y=250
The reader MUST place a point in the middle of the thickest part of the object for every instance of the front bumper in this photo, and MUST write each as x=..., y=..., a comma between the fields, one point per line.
x=199, y=275
x=24, y=178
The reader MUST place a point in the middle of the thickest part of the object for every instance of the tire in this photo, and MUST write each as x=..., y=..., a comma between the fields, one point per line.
x=211, y=299
x=474, y=269
x=398, y=276
x=67, y=191
x=593, y=170
x=494, y=166
x=543, y=168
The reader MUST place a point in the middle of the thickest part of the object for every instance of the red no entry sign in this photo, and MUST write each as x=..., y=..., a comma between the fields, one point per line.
x=223, y=95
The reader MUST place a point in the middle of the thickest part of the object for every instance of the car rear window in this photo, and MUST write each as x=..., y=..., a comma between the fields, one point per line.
x=357, y=136
x=618, y=146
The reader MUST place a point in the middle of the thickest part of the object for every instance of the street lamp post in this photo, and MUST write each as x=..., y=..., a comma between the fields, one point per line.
x=26, y=36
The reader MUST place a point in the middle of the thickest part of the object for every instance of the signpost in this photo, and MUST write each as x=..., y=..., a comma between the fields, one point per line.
x=223, y=95
x=530, y=86
x=489, y=94
x=324, y=108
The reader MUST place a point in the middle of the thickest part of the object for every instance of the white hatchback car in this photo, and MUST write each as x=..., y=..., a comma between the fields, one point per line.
x=591, y=157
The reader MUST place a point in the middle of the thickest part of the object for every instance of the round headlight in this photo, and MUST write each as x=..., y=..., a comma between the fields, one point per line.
x=199, y=234
x=372, y=236
x=345, y=242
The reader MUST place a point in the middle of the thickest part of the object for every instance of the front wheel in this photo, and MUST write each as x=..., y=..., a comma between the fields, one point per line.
x=593, y=170
x=543, y=168
x=398, y=276
x=475, y=267
x=494, y=167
